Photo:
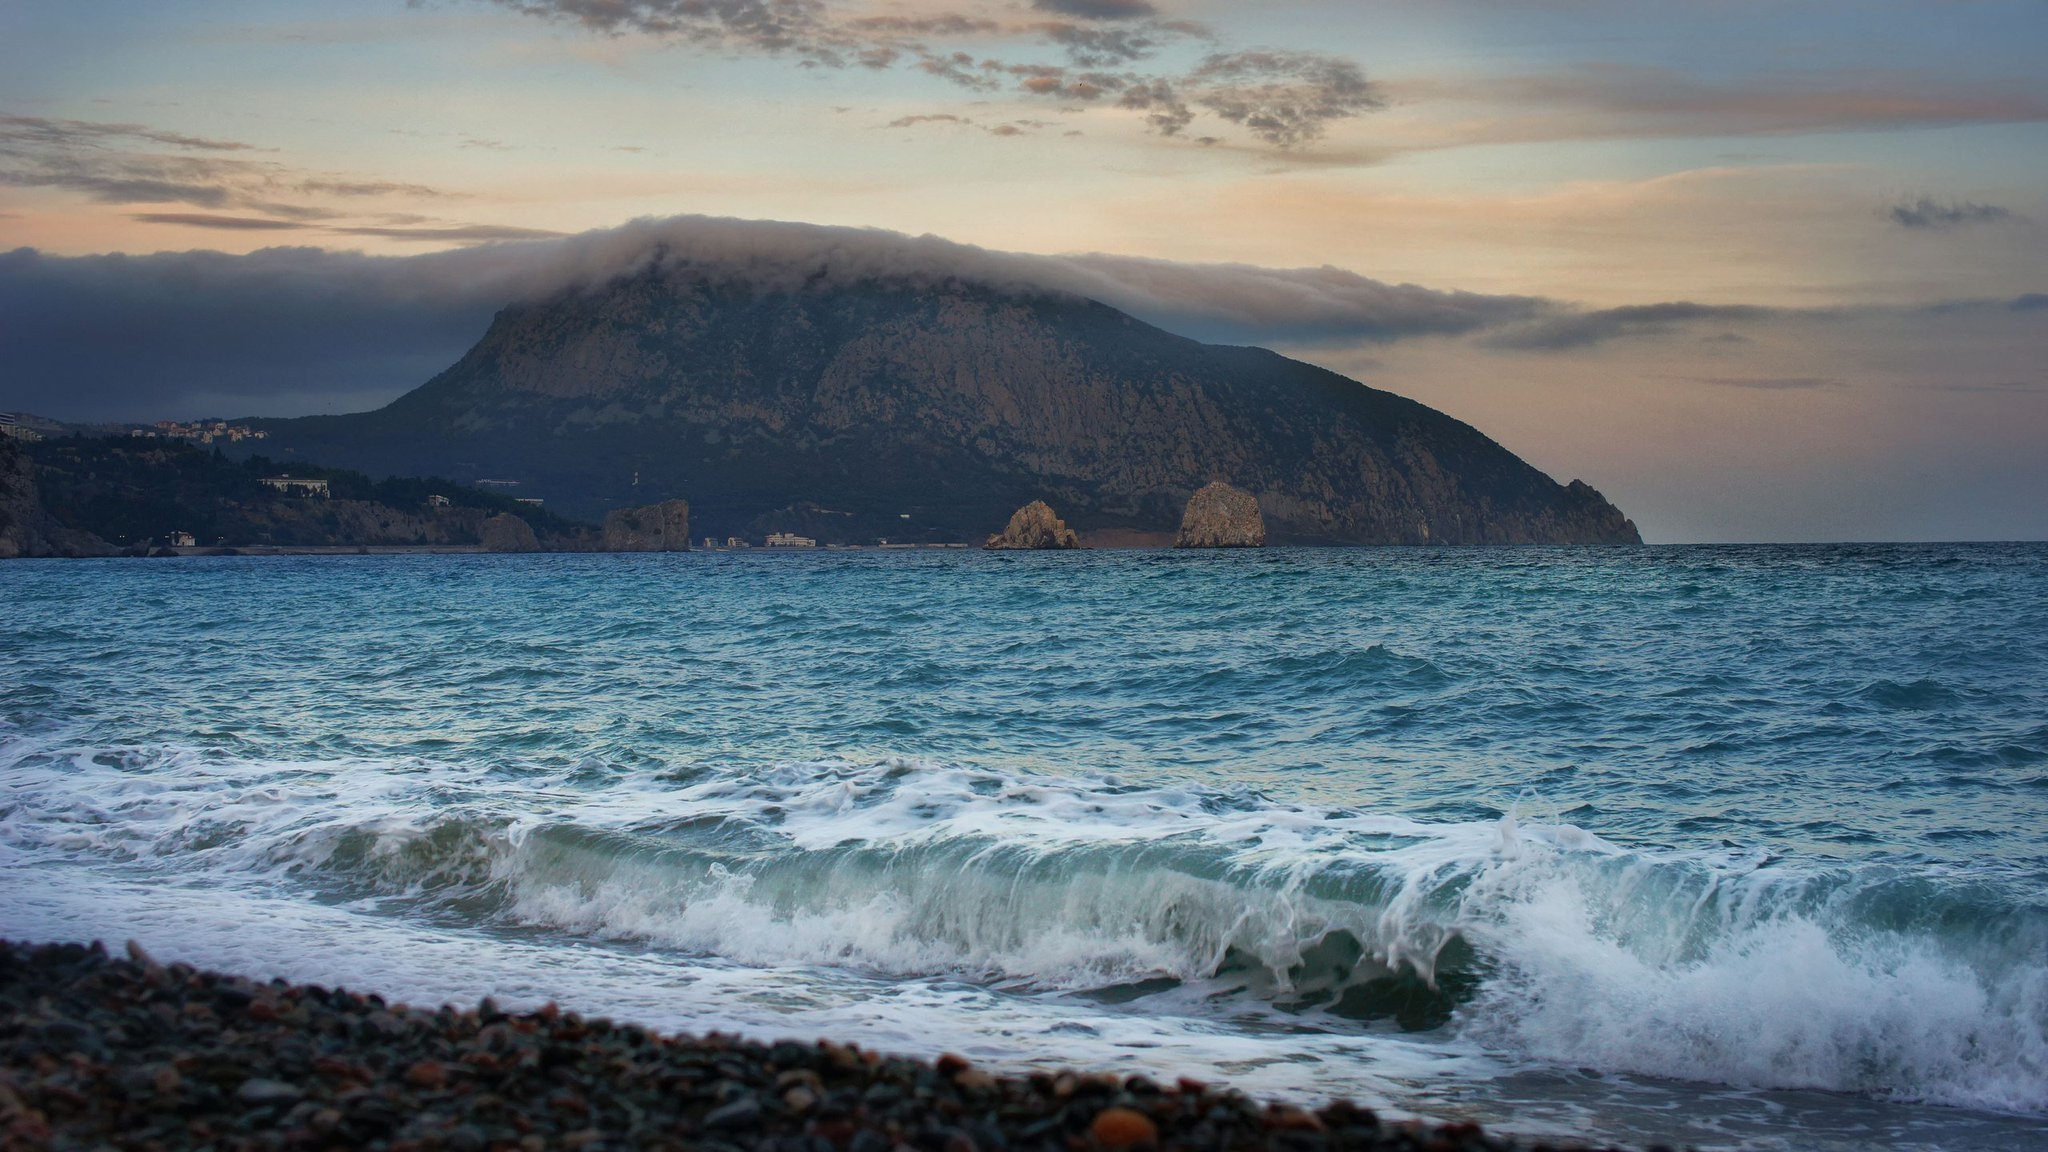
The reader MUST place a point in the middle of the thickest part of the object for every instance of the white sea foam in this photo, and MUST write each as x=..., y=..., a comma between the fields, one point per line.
x=1585, y=954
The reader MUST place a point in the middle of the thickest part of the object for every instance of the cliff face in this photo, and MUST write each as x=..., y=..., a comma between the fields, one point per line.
x=663, y=527
x=915, y=411
x=20, y=510
x=25, y=528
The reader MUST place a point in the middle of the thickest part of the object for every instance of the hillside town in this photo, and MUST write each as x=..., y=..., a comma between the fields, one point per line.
x=200, y=431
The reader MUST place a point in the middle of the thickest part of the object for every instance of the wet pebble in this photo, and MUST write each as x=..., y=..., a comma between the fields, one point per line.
x=98, y=1051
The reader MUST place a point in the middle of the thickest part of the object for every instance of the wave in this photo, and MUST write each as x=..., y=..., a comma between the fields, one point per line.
x=1538, y=940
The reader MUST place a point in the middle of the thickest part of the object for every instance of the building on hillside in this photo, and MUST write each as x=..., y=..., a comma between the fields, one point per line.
x=437, y=501
x=12, y=428
x=206, y=431
x=790, y=540
x=297, y=486
x=533, y=500
x=736, y=542
x=182, y=540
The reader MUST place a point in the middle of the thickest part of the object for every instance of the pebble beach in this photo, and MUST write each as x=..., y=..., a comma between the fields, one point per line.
x=126, y=1052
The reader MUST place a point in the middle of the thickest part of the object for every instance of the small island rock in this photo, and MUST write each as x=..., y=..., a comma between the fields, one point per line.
x=507, y=533
x=663, y=527
x=1220, y=516
x=1034, y=526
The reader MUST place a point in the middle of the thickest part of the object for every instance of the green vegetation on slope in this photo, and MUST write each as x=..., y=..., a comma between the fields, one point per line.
x=127, y=491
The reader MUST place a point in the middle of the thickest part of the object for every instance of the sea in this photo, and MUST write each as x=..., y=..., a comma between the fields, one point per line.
x=1734, y=847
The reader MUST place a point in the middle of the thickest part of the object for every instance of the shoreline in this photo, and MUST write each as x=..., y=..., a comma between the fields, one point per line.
x=128, y=1052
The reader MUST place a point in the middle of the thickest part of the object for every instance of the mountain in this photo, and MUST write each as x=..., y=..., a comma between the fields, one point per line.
x=928, y=408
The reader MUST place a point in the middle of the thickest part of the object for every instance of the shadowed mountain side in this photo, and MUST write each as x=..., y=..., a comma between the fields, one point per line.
x=918, y=410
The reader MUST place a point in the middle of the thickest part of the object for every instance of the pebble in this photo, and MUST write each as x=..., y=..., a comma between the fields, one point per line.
x=1123, y=1128
x=257, y=1090
x=129, y=1053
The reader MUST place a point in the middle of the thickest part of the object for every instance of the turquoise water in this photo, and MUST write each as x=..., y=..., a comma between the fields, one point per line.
x=1730, y=846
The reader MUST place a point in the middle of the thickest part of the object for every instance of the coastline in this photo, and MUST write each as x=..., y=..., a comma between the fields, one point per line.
x=128, y=1052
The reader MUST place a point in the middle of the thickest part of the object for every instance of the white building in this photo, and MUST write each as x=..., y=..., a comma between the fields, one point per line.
x=291, y=485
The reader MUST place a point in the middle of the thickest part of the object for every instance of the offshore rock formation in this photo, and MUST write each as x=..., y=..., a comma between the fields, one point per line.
x=507, y=533
x=1034, y=526
x=927, y=409
x=663, y=527
x=1219, y=516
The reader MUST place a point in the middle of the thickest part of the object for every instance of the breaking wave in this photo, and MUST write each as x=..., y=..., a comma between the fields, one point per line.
x=1537, y=940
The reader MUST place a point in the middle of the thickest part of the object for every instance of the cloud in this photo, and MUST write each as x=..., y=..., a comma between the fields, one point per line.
x=1285, y=99
x=1580, y=329
x=369, y=188
x=1772, y=383
x=225, y=223
x=1928, y=213
x=1598, y=101
x=74, y=133
x=933, y=118
x=467, y=233
x=118, y=163
x=286, y=331
x=1996, y=387
x=1099, y=9
x=800, y=27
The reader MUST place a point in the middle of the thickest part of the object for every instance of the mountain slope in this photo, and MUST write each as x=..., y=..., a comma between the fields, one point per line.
x=919, y=410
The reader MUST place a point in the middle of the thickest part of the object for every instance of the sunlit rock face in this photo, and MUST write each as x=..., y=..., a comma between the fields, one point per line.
x=1034, y=526
x=1219, y=516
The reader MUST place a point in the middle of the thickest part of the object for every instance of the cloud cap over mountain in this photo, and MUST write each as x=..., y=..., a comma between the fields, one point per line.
x=295, y=330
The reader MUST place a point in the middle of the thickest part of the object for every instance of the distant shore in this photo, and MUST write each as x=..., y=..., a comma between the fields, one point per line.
x=131, y=1053
x=1109, y=541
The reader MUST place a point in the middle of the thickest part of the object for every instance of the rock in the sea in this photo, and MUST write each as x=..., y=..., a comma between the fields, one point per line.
x=1219, y=516
x=507, y=533
x=663, y=527
x=1035, y=526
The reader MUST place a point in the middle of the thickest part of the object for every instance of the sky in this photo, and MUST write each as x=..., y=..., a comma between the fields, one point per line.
x=1757, y=271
